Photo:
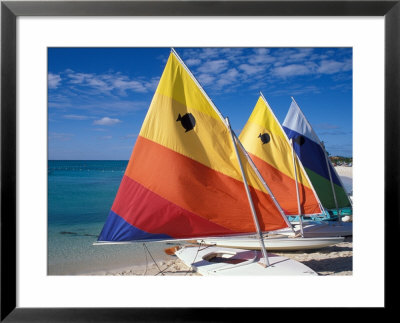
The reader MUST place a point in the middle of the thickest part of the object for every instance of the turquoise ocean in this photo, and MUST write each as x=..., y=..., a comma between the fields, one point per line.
x=80, y=195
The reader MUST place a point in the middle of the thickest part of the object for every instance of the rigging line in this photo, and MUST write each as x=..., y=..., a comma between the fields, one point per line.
x=145, y=254
x=201, y=242
x=160, y=271
x=164, y=270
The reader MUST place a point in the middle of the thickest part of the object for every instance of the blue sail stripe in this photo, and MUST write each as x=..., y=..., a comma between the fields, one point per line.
x=117, y=229
x=312, y=156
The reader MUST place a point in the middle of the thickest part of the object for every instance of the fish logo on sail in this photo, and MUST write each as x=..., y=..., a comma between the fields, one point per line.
x=299, y=140
x=275, y=161
x=187, y=120
x=265, y=138
x=312, y=155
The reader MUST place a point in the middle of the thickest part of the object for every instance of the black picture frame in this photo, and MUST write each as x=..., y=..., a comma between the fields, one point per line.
x=10, y=10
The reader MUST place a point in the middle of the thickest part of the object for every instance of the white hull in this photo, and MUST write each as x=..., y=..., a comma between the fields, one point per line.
x=273, y=243
x=315, y=229
x=213, y=261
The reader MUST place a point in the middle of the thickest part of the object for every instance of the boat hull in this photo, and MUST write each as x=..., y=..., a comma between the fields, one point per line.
x=218, y=261
x=315, y=229
x=273, y=243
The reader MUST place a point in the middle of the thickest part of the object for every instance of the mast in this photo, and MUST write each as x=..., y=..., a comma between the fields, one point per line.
x=253, y=211
x=297, y=188
x=255, y=169
x=331, y=180
x=280, y=209
x=226, y=122
x=327, y=165
x=298, y=159
x=300, y=163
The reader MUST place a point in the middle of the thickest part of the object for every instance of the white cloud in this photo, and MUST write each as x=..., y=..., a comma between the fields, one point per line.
x=291, y=70
x=76, y=117
x=53, y=80
x=123, y=84
x=332, y=67
x=193, y=61
x=207, y=53
x=106, y=121
x=78, y=78
x=300, y=55
x=98, y=83
x=261, y=51
x=109, y=83
x=225, y=69
x=206, y=79
x=251, y=69
x=214, y=67
x=231, y=76
x=261, y=56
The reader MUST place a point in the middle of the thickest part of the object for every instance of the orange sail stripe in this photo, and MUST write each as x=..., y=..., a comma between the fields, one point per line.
x=199, y=143
x=213, y=195
x=282, y=186
x=140, y=207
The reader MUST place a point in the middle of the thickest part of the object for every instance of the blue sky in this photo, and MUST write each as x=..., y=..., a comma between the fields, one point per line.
x=98, y=97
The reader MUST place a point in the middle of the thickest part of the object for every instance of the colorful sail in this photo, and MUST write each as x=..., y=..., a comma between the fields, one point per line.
x=271, y=151
x=313, y=157
x=183, y=178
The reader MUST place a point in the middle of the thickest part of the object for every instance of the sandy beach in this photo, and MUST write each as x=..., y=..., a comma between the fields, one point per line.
x=336, y=260
x=344, y=171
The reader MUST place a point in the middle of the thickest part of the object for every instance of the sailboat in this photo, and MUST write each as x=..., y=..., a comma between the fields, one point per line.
x=323, y=176
x=187, y=179
x=272, y=153
x=278, y=164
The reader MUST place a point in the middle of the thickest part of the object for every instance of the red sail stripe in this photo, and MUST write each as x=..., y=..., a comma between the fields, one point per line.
x=151, y=213
x=282, y=186
x=213, y=196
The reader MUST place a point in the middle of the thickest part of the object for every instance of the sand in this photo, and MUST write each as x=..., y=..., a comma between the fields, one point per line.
x=344, y=171
x=173, y=267
x=336, y=260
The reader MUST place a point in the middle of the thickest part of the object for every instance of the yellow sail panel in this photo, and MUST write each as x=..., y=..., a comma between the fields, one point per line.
x=277, y=151
x=189, y=127
x=271, y=152
x=263, y=116
x=171, y=126
x=177, y=84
